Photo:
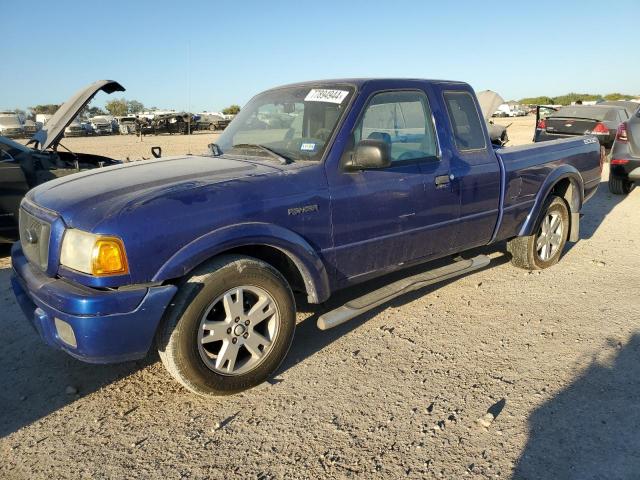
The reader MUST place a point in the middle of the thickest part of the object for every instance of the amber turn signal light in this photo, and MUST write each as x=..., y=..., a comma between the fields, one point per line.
x=109, y=257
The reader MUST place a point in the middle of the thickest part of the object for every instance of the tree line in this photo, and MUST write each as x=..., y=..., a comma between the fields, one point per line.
x=569, y=98
x=117, y=107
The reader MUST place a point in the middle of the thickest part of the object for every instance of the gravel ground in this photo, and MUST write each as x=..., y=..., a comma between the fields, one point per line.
x=501, y=374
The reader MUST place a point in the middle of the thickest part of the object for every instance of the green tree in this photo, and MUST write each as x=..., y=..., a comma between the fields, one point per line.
x=572, y=97
x=92, y=111
x=537, y=101
x=231, y=110
x=48, y=109
x=117, y=107
x=134, y=106
x=618, y=96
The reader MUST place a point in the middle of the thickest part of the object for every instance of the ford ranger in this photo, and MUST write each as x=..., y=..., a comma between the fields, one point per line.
x=312, y=188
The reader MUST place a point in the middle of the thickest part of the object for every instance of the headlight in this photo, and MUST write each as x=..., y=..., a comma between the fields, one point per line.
x=97, y=255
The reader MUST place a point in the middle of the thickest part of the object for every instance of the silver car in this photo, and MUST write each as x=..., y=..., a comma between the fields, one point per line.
x=10, y=125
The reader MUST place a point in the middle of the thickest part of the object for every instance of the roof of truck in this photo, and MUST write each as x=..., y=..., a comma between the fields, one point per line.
x=359, y=82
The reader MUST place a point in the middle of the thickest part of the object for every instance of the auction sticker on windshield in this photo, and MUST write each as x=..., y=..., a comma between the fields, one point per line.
x=326, y=95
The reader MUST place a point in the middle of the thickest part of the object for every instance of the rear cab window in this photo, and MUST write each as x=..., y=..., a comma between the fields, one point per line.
x=465, y=121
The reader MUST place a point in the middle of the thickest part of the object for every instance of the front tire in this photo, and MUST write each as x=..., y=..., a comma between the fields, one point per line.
x=619, y=185
x=229, y=327
x=542, y=250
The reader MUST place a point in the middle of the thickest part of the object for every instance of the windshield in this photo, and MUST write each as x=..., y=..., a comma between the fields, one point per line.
x=9, y=120
x=293, y=122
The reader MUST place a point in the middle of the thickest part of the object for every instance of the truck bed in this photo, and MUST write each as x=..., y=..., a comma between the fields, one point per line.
x=528, y=168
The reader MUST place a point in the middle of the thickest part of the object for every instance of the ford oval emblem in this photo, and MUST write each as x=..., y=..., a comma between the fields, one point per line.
x=32, y=237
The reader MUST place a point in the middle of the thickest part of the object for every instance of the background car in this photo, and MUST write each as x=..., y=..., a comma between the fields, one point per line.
x=101, y=125
x=631, y=107
x=10, y=125
x=75, y=129
x=625, y=157
x=30, y=127
x=599, y=120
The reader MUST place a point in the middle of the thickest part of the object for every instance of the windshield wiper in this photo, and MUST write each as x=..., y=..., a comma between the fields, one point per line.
x=284, y=160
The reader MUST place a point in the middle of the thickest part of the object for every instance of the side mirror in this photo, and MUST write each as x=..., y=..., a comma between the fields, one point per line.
x=370, y=155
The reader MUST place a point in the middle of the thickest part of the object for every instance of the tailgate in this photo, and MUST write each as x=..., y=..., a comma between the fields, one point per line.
x=570, y=126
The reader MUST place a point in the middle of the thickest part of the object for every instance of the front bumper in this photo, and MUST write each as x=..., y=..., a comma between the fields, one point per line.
x=75, y=133
x=109, y=325
x=12, y=133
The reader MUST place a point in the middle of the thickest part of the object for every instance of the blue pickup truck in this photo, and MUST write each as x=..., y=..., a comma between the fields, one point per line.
x=312, y=188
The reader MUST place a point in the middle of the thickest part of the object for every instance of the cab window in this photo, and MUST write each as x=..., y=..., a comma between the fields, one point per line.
x=403, y=120
x=465, y=121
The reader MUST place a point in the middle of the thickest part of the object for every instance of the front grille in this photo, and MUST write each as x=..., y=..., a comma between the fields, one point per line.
x=34, y=238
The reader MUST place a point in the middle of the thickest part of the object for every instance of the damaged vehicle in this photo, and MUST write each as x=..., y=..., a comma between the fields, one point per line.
x=75, y=129
x=168, y=123
x=101, y=125
x=211, y=121
x=23, y=167
x=127, y=125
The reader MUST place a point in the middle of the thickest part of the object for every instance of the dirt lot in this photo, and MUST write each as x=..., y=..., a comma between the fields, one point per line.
x=555, y=357
x=131, y=147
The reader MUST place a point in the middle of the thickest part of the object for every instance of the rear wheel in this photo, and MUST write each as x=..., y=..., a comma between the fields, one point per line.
x=229, y=327
x=619, y=185
x=542, y=250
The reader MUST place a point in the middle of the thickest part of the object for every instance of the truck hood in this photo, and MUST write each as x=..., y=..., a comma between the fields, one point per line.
x=51, y=133
x=88, y=198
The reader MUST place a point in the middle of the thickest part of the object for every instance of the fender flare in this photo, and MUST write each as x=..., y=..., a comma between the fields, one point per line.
x=559, y=174
x=305, y=258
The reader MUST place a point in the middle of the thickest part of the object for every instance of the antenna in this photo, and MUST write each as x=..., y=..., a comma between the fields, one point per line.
x=189, y=97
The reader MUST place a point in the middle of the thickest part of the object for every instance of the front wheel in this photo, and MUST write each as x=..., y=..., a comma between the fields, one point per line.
x=542, y=250
x=229, y=327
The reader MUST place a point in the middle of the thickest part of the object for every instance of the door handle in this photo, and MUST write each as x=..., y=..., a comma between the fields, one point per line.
x=442, y=180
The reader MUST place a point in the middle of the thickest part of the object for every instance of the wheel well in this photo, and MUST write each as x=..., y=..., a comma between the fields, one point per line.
x=568, y=190
x=277, y=259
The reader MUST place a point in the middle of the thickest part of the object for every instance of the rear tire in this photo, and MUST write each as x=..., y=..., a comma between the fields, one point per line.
x=544, y=248
x=619, y=185
x=214, y=339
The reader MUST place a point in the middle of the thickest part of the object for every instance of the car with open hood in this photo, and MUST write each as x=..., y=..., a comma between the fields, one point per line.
x=489, y=101
x=23, y=167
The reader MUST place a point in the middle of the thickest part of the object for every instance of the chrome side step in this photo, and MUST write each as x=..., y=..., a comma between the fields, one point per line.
x=360, y=305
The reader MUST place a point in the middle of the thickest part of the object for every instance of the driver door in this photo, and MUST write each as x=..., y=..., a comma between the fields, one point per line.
x=381, y=218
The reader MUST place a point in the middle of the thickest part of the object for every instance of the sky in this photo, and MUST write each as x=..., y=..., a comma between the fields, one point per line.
x=204, y=55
